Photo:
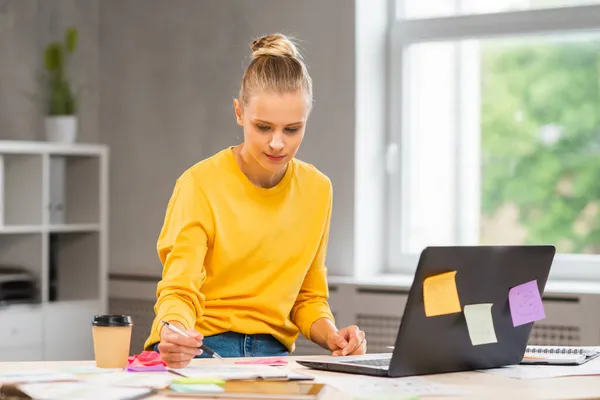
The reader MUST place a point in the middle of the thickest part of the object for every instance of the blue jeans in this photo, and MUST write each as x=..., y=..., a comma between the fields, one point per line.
x=233, y=344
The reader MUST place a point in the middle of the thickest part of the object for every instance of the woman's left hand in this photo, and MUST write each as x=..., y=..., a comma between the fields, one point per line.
x=347, y=341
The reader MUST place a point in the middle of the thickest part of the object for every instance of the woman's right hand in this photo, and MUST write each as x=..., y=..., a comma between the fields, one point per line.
x=177, y=350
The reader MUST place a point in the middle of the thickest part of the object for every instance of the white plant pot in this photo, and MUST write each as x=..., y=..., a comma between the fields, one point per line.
x=61, y=129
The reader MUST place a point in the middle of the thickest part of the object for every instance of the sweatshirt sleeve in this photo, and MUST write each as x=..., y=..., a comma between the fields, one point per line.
x=182, y=247
x=311, y=303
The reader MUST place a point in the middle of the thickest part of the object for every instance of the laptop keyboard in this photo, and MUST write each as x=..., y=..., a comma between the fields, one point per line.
x=375, y=362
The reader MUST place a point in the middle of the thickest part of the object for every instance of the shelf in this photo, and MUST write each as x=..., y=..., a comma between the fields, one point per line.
x=58, y=228
x=73, y=228
x=24, y=251
x=38, y=147
x=20, y=229
x=53, y=216
x=74, y=190
x=21, y=187
x=68, y=330
x=74, y=266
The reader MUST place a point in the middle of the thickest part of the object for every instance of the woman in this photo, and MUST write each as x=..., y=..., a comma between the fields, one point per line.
x=245, y=233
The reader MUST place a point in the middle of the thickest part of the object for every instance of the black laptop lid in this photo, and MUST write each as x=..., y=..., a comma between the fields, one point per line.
x=484, y=274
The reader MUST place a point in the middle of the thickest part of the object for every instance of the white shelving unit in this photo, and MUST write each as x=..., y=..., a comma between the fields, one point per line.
x=54, y=223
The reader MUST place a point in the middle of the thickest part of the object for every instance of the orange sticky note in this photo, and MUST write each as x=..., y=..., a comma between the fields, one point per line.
x=440, y=294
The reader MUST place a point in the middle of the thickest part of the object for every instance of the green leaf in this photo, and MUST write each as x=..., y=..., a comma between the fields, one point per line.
x=71, y=38
x=52, y=56
x=60, y=99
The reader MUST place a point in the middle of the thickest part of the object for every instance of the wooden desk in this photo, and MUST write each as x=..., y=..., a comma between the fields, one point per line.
x=478, y=385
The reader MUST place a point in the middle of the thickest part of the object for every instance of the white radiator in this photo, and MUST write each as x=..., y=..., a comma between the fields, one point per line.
x=571, y=318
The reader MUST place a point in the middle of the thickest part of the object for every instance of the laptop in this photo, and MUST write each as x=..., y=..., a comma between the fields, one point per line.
x=438, y=344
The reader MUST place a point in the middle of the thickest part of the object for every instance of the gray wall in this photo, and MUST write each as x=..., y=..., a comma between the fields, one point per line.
x=26, y=26
x=169, y=73
x=159, y=81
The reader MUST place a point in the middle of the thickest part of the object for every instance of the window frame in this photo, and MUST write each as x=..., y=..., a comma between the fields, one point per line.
x=406, y=32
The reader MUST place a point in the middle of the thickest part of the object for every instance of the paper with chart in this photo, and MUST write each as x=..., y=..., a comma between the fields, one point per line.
x=480, y=323
x=265, y=361
x=80, y=391
x=192, y=388
x=88, y=369
x=368, y=387
x=35, y=376
x=230, y=372
x=546, y=371
x=440, y=295
x=156, y=380
x=525, y=303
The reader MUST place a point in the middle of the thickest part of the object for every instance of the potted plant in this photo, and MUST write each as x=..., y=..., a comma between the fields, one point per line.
x=61, y=102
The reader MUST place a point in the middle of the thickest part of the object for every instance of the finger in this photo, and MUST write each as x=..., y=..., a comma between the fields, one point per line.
x=174, y=348
x=346, y=332
x=170, y=352
x=168, y=348
x=337, y=340
x=362, y=348
x=187, y=352
x=194, y=334
x=362, y=337
x=177, y=364
x=354, y=342
x=180, y=340
x=176, y=357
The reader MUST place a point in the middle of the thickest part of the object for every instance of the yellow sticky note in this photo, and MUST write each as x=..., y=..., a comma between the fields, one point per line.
x=480, y=323
x=440, y=294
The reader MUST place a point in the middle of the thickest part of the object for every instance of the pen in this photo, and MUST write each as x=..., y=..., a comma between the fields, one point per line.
x=205, y=349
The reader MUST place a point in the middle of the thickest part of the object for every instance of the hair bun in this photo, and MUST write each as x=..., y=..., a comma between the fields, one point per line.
x=276, y=44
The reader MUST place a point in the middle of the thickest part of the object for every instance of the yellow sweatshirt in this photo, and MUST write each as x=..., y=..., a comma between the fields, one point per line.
x=237, y=257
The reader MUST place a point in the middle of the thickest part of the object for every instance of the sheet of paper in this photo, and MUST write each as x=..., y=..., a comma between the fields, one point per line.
x=35, y=376
x=156, y=380
x=297, y=376
x=440, y=294
x=525, y=303
x=80, y=391
x=553, y=358
x=365, y=387
x=229, y=372
x=546, y=371
x=184, y=388
x=265, y=361
x=88, y=369
x=480, y=323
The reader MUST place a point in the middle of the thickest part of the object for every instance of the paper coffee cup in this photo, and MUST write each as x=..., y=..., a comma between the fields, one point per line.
x=112, y=339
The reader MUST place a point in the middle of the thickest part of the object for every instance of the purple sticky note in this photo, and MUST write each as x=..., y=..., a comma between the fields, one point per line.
x=525, y=303
x=147, y=368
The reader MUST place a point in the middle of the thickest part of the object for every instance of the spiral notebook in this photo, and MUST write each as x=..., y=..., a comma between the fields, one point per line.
x=559, y=355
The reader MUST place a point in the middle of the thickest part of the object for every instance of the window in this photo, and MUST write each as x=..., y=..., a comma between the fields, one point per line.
x=443, y=8
x=498, y=122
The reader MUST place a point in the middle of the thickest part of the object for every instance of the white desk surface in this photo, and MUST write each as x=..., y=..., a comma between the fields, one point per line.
x=478, y=385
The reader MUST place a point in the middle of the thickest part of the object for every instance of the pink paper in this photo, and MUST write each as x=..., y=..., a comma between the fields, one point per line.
x=146, y=358
x=265, y=361
x=147, y=368
x=525, y=303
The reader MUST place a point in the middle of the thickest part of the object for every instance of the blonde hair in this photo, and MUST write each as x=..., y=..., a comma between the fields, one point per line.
x=276, y=66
